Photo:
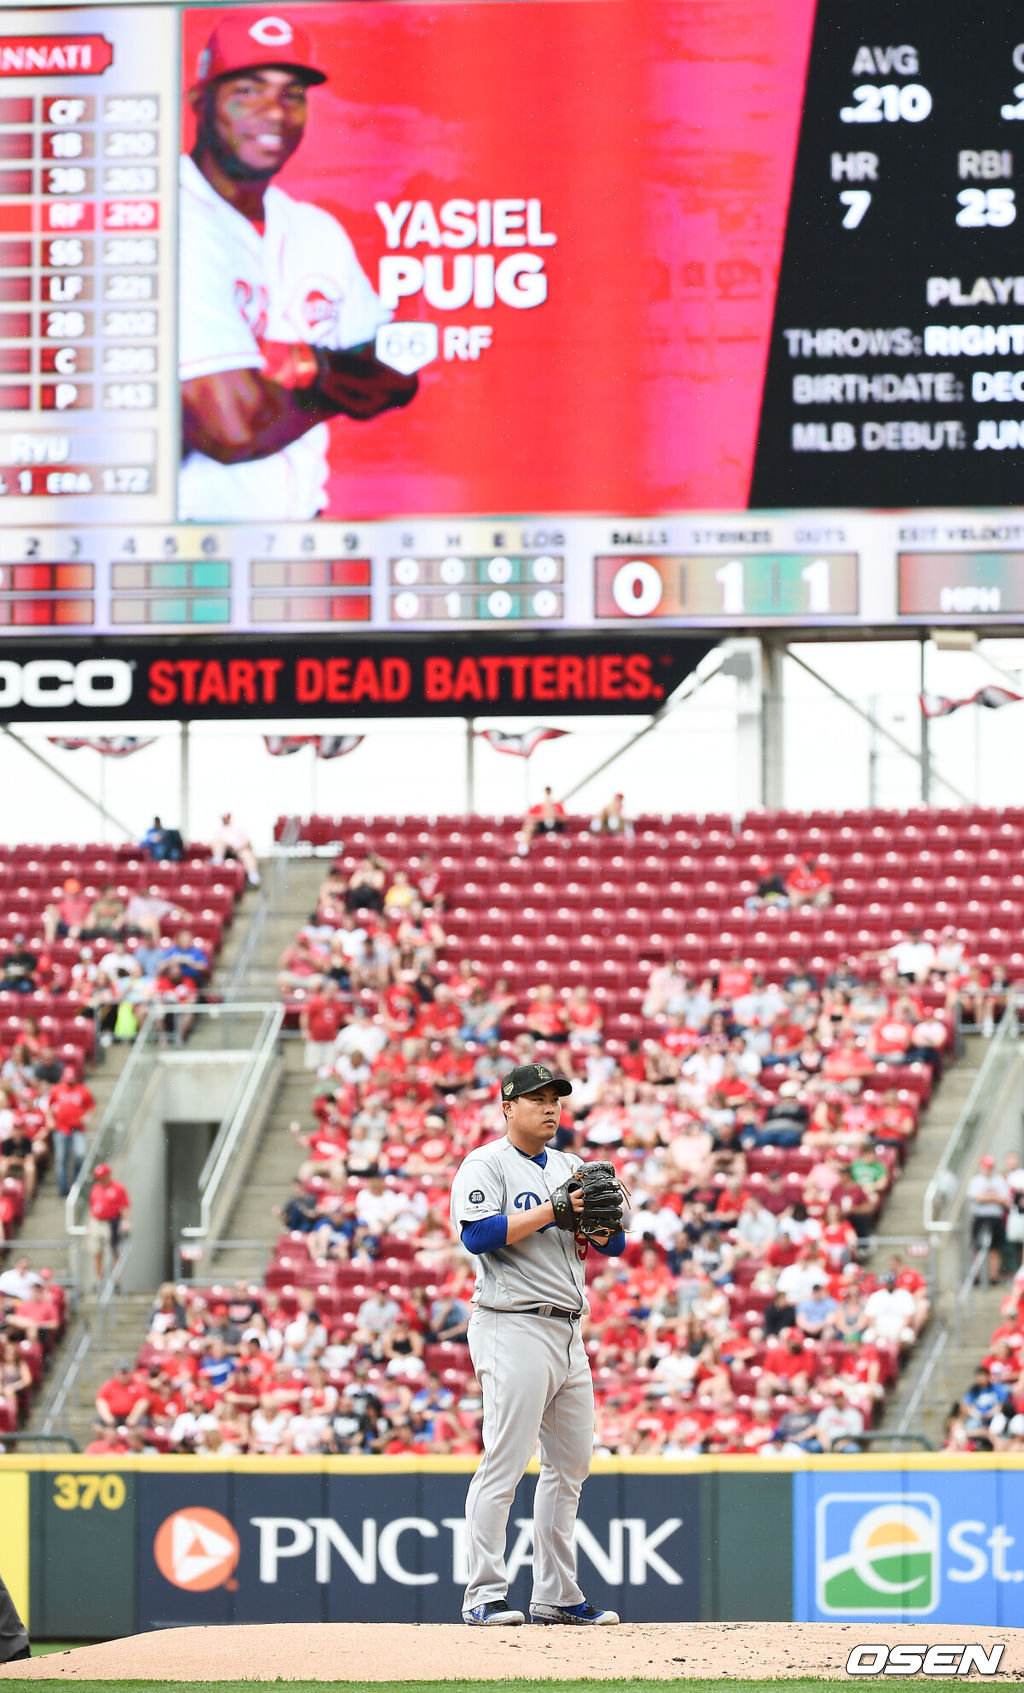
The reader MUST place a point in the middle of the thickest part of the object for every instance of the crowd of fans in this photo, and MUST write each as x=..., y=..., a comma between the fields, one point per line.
x=102, y=944
x=759, y=1127
x=990, y=1416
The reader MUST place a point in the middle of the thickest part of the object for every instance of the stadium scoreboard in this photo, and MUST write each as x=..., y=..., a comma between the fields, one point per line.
x=789, y=393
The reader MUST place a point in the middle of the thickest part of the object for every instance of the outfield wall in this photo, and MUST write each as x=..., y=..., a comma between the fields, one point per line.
x=92, y=1549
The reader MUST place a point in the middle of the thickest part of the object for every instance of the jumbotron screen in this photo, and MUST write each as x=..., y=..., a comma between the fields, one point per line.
x=544, y=314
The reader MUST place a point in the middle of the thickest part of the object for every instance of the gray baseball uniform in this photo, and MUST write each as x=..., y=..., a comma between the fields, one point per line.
x=527, y=1350
x=13, y=1634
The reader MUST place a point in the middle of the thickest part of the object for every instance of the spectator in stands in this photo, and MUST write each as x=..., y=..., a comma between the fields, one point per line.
x=1013, y=1175
x=15, y=1379
x=121, y=1400
x=108, y=1441
x=147, y=912
x=191, y=958
x=584, y=1016
x=429, y=884
x=817, y=1315
x=166, y=1318
x=162, y=844
x=320, y=1022
x=109, y=1221
x=69, y=1108
x=612, y=819
x=546, y=1017
x=913, y=957
x=809, y=883
x=367, y=885
x=890, y=1314
x=106, y=917
x=18, y=967
x=547, y=817
x=68, y=915
x=984, y=1398
x=988, y=1199
x=23, y=1143
x=482, y=1014
x=231, y=841
x=20, y=1281
x=400, y=895
x=420, y=938
x=174, y=987
x=376, y=1315
x=949, y=954
x=769, y=890
x=48, y=1068
x=838, y=1423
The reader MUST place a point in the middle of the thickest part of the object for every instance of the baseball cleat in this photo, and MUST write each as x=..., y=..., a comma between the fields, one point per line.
x=585, y=1612
x=496, y=1613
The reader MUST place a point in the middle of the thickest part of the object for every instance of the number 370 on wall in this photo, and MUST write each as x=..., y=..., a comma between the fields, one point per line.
x=81, y=1492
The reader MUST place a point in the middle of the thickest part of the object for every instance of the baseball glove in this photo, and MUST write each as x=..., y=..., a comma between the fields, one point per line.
x=603, y=1200
x=357, y=383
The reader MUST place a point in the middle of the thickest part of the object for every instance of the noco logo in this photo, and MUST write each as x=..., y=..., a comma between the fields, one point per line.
x=877, y=1552
x=196, y=1549
x=45, y=682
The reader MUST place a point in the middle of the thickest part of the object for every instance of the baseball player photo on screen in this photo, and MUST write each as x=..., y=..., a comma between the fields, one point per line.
x=511, y=228
x=277, y=318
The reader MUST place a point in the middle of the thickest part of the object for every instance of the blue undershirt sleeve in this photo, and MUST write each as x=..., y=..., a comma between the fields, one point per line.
x=486, y=1234
x=613, y=1248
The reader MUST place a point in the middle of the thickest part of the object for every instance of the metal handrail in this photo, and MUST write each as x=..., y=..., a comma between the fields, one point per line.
x=942, y=1190
x=121, y=1108
x=186, y=1256
x=939, y=1342
x=23, y=1438
x=93, y=1328
x=235, y=1122
x=874, y=1437
x=134, y=1078
x=270, y=1024
x=66, y=1380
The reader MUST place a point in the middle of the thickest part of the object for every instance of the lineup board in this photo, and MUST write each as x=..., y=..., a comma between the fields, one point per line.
x=729, y=399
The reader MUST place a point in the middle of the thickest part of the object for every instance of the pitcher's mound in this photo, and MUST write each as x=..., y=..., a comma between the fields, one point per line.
x=438, y=1652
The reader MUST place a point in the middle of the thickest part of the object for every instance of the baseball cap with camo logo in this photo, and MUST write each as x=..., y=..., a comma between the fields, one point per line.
x=255, y=40
x=530, y=1078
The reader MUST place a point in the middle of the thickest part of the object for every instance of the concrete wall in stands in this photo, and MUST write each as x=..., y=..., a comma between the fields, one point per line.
x=96, y=1548
x=183, y=1087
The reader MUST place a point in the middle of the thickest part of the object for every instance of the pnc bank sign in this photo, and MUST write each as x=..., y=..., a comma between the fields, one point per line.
x=197, y=1549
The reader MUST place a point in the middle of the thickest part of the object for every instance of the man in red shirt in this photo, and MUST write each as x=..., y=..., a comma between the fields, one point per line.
x=441, y=1018
x=320, y=1021
x=809, y=883
x=68, y=1108
x=121, y=1400
x=108, y=1217
x=547, y=817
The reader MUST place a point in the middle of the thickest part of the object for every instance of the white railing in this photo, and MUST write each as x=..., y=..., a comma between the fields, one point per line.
x=942, y=1195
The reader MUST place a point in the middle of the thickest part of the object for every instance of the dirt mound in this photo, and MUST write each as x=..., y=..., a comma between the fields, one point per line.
x=432, y=1652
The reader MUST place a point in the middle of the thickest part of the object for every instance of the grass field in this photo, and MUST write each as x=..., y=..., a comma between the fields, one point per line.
x=512, y=1685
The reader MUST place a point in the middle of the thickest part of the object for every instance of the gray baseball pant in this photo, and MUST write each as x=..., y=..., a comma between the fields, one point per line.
x=13, y=1633
x=535, y=1380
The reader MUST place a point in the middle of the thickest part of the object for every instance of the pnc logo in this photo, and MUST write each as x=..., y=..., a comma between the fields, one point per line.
x=196, y=1549
x=272, y=32
x=877, y=1552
